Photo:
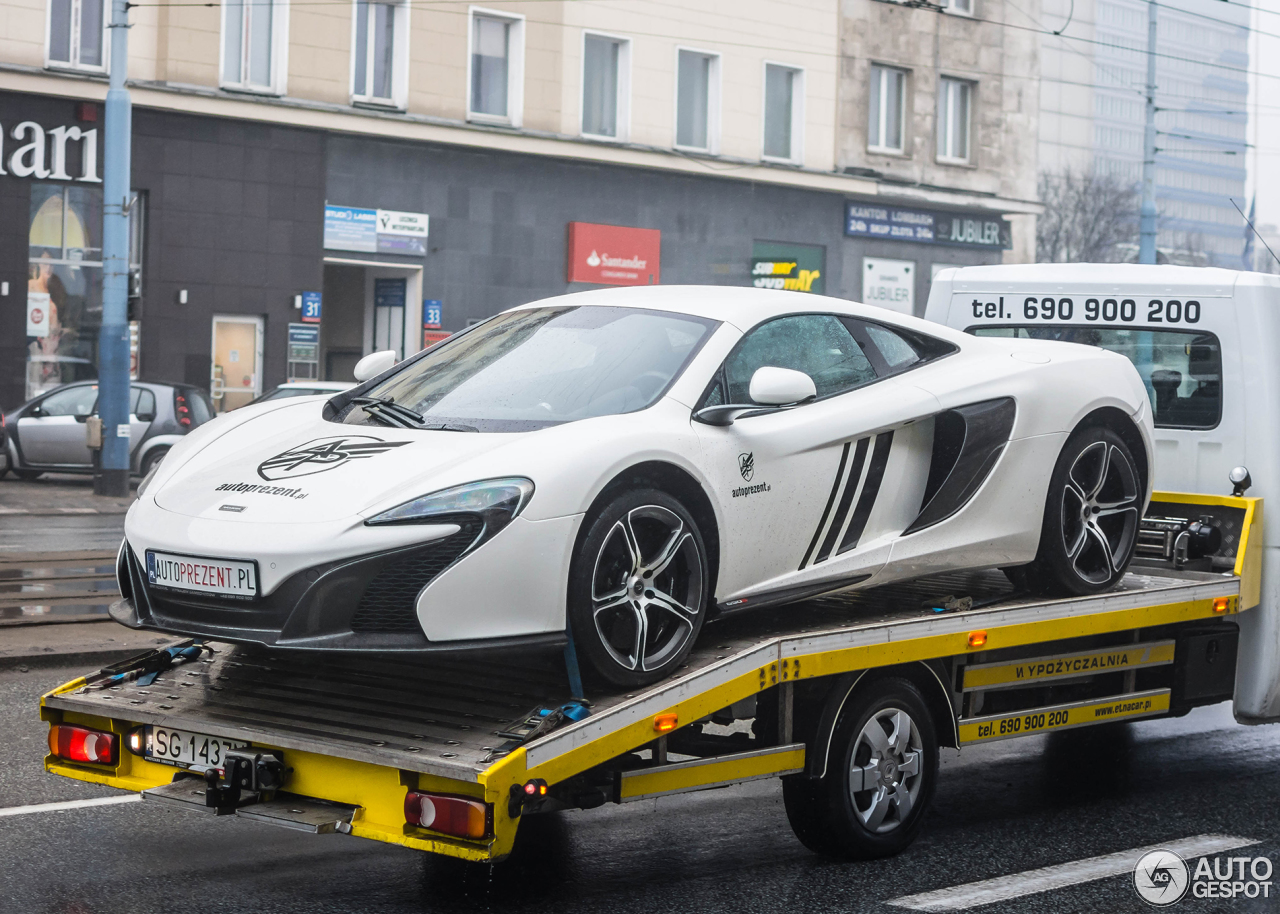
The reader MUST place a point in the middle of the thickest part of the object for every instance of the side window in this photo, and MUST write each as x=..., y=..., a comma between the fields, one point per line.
x=142, y=402
x=820, y=345
x=896, y=349
x=75, y=401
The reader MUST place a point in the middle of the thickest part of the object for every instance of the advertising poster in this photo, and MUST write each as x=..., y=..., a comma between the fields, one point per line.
x=38, y=311
x=375, y=231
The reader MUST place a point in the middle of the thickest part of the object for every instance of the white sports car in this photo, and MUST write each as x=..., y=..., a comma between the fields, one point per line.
x=622, y=464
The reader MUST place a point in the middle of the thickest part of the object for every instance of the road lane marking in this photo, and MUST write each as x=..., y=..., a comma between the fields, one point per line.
x=1031, y=882
x=68, y=804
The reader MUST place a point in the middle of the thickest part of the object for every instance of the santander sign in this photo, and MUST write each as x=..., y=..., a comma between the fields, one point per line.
x=614, y=255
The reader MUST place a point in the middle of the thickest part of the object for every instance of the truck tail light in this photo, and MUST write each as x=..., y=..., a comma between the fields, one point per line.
x=80, y=744
x=456, y=816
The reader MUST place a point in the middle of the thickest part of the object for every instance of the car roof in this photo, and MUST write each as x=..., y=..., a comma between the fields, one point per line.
x=742, y=306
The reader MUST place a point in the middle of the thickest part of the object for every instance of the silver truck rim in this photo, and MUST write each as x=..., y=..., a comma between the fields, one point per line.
x=646, y=588
x=1100, y=512
x=885, y=771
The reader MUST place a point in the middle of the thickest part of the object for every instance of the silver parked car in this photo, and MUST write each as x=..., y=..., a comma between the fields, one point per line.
x=47, y=434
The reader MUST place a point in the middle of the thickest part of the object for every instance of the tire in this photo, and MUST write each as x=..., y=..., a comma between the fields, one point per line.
x=880, y=777
x=28, y=475
x=149, y=463
x=1091, y=516
x=638, y=539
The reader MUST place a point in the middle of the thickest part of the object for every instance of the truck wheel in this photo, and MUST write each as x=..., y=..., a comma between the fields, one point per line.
x=638, y=588
x=1091, y=515
x=880, y=776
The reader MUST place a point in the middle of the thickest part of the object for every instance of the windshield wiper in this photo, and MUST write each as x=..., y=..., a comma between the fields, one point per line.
x=450, y=427
x=389, y=411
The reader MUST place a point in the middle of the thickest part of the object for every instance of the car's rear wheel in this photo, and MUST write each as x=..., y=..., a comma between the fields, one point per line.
x=638, y=588
x=1091, y=517
x=151, y=461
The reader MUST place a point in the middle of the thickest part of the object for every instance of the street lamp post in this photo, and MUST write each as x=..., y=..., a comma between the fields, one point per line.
x=1147, y=219
x=113, y=342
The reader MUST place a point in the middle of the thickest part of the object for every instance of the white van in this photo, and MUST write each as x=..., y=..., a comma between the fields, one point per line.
x=1207, y=343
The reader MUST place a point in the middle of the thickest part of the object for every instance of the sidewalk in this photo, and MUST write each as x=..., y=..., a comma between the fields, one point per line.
x=56, y=494
x=92, y=644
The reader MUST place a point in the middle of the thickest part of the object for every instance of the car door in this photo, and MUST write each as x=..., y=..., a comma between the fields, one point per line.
x=51, y=433
x=142, y=412
x=815, y=493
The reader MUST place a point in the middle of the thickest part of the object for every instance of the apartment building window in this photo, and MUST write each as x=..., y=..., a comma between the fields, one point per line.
x=77, y=35
x=783, y=113
x=697, y=99
x=606, y=90
x=253, y=38
x=379, y=71
x=496, y=68
x=959, y=7
x=954, y=103
x=887, y=109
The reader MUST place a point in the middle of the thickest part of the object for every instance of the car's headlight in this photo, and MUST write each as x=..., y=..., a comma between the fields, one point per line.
x=496, y=501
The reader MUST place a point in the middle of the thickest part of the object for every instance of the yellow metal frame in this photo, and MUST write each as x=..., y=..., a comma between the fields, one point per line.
x=380, y=790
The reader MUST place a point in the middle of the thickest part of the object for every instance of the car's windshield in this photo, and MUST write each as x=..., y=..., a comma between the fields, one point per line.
x=1182, y=369
x=528, y=369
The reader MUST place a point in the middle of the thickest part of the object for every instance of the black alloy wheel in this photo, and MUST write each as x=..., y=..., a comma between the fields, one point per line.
x=638, y=588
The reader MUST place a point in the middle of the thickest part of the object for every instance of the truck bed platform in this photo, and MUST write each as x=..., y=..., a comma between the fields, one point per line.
x=442, y=716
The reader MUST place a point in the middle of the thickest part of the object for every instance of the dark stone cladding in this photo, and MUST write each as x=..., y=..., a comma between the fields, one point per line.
x=235, y=215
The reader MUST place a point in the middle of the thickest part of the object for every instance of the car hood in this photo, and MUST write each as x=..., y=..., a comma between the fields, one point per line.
x=289, y=465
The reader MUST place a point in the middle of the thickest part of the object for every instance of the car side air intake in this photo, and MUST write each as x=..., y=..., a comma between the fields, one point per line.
x=967, y=441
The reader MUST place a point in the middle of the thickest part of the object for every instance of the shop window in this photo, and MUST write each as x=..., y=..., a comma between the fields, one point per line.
x=887, y=109
x=253, y=37
x=380, y=55
x=64, y=282
x=77, y=34
x=697, y=100
x=497, y=68
x=605, y=85
x=954, y=103
x=783, y=112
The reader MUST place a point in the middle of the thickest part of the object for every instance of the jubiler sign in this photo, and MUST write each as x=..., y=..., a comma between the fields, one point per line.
x=975, y=230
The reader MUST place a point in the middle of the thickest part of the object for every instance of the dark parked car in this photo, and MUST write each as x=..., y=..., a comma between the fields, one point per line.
x=47, y=434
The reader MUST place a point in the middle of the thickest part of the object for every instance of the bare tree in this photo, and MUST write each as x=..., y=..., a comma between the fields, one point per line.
x=1087, y=218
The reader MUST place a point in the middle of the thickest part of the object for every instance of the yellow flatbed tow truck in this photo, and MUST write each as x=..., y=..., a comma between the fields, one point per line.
x=846, y=697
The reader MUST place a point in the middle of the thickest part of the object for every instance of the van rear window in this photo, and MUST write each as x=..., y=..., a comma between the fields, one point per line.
x=1182, y=369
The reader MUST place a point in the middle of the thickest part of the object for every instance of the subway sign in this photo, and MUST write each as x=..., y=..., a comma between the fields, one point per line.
x=891, y=223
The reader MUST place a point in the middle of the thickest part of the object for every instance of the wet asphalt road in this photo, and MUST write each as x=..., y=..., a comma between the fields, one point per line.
x=1000, y=809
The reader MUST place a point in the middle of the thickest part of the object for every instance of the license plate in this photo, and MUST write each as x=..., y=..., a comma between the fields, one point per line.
x=182, y=747
x=203, y=575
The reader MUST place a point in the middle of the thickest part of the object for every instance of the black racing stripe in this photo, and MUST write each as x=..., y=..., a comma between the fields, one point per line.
x=875, y=473
x=831, y=500
x=859, y=456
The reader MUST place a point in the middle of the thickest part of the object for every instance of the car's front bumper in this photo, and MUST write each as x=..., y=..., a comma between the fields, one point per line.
x=365, y=602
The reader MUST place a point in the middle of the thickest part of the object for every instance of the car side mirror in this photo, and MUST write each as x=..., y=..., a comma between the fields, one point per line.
x=35, y=412
x=145, y=417
x=771, y=388
x=780, y=386
x=374, y=364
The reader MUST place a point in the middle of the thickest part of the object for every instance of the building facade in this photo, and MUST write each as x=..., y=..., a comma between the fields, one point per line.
x=317, y=181
x=1093, y=92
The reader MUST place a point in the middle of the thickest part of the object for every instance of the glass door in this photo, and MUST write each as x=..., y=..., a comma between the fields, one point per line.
x=236, y=377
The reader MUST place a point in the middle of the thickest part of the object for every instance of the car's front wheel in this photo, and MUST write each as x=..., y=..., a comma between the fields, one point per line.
x=638, y=588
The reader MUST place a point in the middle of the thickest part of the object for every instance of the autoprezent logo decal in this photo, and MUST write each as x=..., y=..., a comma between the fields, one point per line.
x=322, y=454
x=747, y=465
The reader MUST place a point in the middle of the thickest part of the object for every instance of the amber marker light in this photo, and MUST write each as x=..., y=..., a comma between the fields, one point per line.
x=977, y=639
x=1221, y=604
x=665, y=723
